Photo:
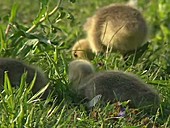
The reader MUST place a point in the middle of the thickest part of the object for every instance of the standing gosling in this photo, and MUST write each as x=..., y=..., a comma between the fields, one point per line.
x=112, y=85
x=82, y=50
x=15, y=70
x=113, y=28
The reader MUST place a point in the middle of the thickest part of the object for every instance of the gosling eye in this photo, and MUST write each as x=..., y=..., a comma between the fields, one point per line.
x=75, y=54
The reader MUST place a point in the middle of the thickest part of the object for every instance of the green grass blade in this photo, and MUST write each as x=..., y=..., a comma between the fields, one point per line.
x=7, y=84
x=22, y=85
x=2, y=39
x=13, y=13
x=42, y=11
x=38, y=93
x=32, y=83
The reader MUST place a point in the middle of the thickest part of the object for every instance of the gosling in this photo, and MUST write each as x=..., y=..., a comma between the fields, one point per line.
x=113, y=86
x=15, y=70
x=115, y=28
x=82, y=50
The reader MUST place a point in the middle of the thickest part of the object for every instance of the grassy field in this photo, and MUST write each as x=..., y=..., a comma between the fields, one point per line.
x=42, y=32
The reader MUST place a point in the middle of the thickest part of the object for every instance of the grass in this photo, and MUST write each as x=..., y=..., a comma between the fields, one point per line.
x=46, y=41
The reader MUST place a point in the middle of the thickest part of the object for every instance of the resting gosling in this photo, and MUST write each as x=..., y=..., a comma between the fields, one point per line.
x=111, y=85
x=15, y=70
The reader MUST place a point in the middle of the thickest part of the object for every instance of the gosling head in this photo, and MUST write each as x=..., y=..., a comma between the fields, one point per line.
x=78, y=70
x=82, y=50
